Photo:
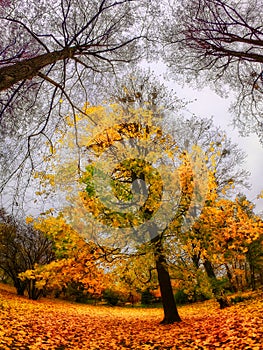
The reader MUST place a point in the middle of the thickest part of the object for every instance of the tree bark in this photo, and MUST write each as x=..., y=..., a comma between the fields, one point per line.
x=169, y=306
x=28, y=68
x=20, y=287
x=196, y=260
x=209, y=269
x=230, y=278
x=33, y=292
x=217, y=291
x=252, y=276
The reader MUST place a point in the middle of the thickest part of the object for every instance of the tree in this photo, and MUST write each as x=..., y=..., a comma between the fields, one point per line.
x=227, y=234
x=254, y=248
x=223, y=157
x=53, y=58
x=129, y=153
x=140, y=88
x=129, y=167
x=130, y=146
x=147, y=204
x=125, y=175
x=220, y=43
x=21, y=247
x=122, y=179
x=76, y=262
x=221, y=252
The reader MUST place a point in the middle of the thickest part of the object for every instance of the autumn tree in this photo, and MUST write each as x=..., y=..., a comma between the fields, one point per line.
x=136, y=185
x=129, y=167
x=223, y=157
x=226, y=233
x=254, y=252
x=129, y=145
x=126, y=172
x=131, y=177
x=21, y=247
x=76, y=263
x=219, y=43
x=53, y=58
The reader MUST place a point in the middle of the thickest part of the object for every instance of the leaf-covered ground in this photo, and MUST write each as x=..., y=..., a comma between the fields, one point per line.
x=55, y=324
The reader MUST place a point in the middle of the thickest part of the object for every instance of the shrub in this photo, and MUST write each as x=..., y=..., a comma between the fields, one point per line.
x=181, y=297
x=147, y=297
x=112, y=297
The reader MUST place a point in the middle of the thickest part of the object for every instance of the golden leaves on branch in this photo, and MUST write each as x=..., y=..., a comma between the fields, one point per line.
x=76, y=260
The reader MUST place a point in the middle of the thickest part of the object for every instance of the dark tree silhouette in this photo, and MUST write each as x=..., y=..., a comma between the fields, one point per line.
x=21, y=247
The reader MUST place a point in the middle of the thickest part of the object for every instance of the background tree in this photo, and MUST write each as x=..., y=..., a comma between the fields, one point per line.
x=220, y=43
x=140, y=88
x=53, y=58
x=21, y=247
x=130, y=275
x=223, y=157
x=223, y=238
x=253, y=269
x=76, y=267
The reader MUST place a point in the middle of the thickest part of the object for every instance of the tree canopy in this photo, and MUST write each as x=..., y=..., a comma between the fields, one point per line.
x=54, y=58
x=219, y=43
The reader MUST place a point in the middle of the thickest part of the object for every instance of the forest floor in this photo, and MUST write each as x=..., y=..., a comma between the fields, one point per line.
x=57, y=324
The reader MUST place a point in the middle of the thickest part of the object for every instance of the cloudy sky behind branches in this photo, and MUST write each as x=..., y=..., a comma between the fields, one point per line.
x=207, y=104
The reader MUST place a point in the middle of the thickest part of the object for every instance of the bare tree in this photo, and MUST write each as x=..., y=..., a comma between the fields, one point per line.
x=21, y=247
x=221, y=43
x=54, y=56
x=141, y=88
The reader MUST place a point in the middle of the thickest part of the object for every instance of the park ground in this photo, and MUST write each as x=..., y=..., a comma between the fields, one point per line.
x=59, y=325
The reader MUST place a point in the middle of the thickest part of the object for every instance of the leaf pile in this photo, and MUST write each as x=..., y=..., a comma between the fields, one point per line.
x=58, y=325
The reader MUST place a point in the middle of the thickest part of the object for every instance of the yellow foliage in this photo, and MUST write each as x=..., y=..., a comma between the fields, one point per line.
x=29, y=220
x=76, y=259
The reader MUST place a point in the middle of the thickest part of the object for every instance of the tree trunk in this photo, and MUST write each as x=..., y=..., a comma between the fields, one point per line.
x=33, y=292
x=20, y=287
x=20, y=290
x=209, y=269
x=230, y=278
x=196, y=260
x=216, y=289
x=252, y=277
x=169, y=306
x=29, y=68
